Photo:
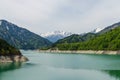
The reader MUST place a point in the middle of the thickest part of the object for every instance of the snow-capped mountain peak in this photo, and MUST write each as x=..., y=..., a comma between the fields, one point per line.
x=56, y=35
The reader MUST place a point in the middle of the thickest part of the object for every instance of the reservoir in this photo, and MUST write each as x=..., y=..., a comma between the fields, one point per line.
x=54, y=66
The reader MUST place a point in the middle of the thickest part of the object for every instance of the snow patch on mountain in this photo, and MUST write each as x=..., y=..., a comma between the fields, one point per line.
x=55, y=33
x=96, y=30
x=0, y=22
x=7, y=27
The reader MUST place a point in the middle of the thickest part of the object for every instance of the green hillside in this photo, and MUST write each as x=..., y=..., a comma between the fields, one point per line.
x=6, y=49
x=70, y=39
x=76, y=38
x=107, y=41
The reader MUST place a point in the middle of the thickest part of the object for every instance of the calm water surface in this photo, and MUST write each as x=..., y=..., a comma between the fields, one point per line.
x=48, y=66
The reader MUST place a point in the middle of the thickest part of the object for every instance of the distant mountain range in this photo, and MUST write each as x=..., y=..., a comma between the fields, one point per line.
x=79, y=37
x=20, y=37
x=87, y=36
x=56, y=35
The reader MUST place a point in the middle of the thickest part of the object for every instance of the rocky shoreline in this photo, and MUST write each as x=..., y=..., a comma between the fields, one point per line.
x=82, y=52
x=14, y=58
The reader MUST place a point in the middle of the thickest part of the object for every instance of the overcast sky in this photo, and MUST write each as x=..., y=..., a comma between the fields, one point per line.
x=77, y=16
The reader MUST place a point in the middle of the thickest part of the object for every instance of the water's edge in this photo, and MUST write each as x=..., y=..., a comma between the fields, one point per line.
x=53, y=66
x=81, y=52
x=15, y=58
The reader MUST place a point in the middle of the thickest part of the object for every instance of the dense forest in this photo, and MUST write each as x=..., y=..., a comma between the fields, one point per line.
x=107, y=41
x=6, y=49
x=76, y=38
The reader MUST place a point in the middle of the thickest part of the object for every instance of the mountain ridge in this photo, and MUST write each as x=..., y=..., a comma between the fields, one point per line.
x=20, y=37
x=97, y=30
x=87, y=36
x=109, y=40
x=108, y=28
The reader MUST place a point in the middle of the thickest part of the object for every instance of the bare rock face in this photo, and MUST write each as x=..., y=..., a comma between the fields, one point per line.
x=20, y=59
x=16, y=58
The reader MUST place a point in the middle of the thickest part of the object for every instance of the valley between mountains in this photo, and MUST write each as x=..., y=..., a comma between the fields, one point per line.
x=13, y=38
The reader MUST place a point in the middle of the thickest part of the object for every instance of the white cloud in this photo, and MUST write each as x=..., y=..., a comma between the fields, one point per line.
x=69, y=15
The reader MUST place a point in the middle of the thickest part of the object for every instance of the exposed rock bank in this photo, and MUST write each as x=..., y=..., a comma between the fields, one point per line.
x=83, y=52
x=15, y=58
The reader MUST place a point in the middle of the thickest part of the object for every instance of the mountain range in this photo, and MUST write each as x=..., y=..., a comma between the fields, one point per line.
x=87, y=36
x=106, y=39
x=13, y=38
x=20, y=37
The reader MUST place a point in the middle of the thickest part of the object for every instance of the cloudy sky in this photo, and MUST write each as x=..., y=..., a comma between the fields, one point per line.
x=76, y=16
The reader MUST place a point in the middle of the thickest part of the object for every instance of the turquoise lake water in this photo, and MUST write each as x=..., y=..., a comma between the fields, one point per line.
x=48, y=66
